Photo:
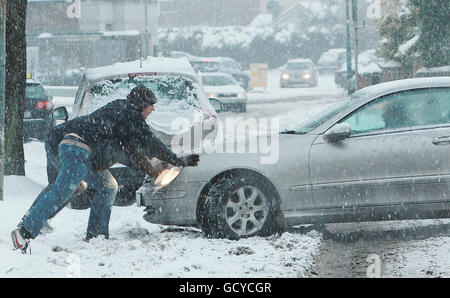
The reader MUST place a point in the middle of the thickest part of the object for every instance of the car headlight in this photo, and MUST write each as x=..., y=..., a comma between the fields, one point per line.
x=307, y=76
x=213, y=95
x=241, y=95
x=285, y=76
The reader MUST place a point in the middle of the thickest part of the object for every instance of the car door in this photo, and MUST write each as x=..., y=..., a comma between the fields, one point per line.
x=398, y=153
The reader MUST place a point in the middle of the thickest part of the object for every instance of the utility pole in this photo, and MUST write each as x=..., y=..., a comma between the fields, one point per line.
x=349, y=49
x=2, y=93
x=355, y=22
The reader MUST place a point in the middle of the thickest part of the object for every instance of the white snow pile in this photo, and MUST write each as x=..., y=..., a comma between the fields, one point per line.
x=136, y=248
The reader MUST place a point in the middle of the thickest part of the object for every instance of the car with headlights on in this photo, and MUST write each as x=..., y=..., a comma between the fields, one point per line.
x=221, y=64
x=299, y=72
x=381, y=154
x=182, y=107
x=224, y=87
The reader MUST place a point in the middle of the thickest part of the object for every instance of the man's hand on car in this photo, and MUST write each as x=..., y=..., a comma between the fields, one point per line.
x=190, y=160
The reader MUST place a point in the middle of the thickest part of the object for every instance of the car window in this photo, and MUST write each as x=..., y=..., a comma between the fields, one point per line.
x=218, y=81
x=402, y=110
x=298, y=65
x=229, y=65
x=34, y=91
x=205, y=66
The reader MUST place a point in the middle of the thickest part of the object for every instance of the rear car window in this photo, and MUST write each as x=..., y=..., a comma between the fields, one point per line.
x=35, y=91
x=169, y=90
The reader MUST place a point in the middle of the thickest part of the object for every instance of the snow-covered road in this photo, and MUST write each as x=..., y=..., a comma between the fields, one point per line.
x=140, y=249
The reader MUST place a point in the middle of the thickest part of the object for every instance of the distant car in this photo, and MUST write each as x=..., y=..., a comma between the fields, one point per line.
x=381, y=154
x=179, y=54
x=38, y=108
x=224, y=87
x=180, y=98
x=299, y=72
x=221, y=64
x=332, y=60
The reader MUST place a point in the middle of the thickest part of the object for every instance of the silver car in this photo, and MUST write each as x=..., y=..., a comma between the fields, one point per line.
x=382, y=154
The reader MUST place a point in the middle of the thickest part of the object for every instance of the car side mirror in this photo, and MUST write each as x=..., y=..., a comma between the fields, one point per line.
x=216, y=104
x=60, y=113
x=338, y=133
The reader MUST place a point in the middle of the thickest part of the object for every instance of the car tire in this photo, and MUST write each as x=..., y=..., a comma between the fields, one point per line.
x=243, y=107
x=228, y=205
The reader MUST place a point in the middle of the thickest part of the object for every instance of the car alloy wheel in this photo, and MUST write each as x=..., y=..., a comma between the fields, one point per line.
x=241, y=205
x=246, y=210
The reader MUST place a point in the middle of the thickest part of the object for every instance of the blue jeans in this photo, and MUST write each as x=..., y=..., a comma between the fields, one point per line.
x=75, y=167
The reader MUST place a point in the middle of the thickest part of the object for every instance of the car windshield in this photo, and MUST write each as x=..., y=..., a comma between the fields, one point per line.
x=205, y=66
x=34, y=91
x=218, y=81
x=319, y=119
x=298, y=65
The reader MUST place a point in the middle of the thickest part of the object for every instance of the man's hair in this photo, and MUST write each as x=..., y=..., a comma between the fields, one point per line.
x=142, y=97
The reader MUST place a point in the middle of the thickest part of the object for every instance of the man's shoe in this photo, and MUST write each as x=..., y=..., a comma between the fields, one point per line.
x=19, y=242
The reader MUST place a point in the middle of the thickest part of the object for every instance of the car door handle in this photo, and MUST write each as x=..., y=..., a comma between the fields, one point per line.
x=442, y=140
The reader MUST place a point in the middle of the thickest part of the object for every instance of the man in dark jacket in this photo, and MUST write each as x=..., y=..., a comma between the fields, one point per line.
x=87, y=147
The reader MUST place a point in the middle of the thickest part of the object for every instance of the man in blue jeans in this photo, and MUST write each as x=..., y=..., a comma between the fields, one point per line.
x=87, y=147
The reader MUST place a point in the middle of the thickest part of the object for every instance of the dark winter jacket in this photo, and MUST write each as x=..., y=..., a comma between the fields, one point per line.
x=117, y=132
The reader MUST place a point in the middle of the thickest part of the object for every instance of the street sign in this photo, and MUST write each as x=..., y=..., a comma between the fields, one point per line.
x=258, y=75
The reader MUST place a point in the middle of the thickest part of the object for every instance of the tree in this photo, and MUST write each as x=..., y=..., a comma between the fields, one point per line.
x=425, y=19
x=15, y=82
x=432, y=18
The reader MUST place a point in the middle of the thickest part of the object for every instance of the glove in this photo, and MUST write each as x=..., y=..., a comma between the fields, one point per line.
x=189, y=160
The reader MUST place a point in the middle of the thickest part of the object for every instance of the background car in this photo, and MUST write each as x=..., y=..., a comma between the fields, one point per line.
x=38, y=107
x=332, y=60
x=180, y=98
x=299, y=72
x=224, y=87
x=382, y=154
x=221, y=64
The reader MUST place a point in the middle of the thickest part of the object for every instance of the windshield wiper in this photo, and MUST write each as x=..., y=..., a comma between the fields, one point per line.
x=291, y=132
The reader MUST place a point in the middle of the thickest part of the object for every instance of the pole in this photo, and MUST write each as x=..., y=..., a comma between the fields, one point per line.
x=349, y=50
x=2, y=93
x=355, y=21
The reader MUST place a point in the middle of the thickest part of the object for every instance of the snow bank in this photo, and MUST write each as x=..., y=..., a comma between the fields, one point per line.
x=140, y=249
x=136, y=248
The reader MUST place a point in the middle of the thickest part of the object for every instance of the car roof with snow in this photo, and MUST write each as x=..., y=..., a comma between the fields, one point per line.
x=401, y=85
x=153, y=65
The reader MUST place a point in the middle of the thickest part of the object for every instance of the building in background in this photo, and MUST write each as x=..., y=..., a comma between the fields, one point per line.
x=182, y=13
x=65, y=38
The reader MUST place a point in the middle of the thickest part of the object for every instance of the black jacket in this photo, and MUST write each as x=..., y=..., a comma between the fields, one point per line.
x=117, y=132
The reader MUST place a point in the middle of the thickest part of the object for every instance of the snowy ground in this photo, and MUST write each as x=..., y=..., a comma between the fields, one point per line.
x=140, y=249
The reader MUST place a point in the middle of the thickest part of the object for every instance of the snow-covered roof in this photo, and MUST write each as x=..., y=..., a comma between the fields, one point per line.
x=434, y=69
x=401, y=85
x=151, y=65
